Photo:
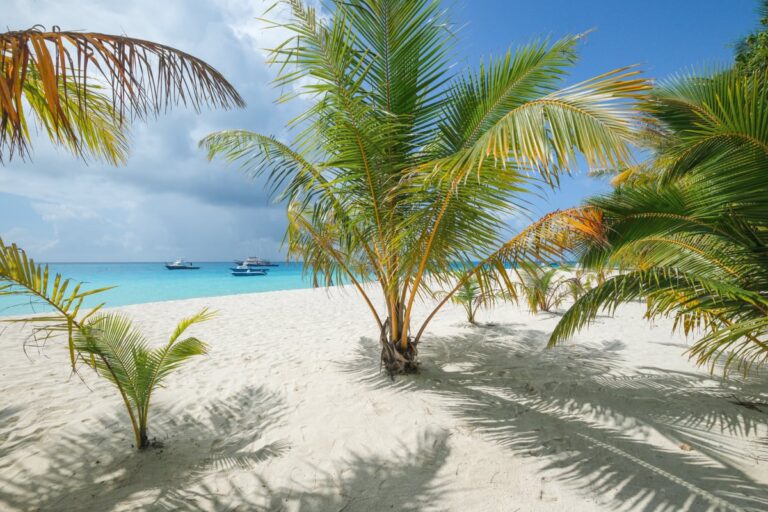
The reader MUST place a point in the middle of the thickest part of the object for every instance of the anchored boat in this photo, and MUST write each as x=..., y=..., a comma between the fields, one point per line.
x=245, y=271
x=180, y=264
x=255, y=262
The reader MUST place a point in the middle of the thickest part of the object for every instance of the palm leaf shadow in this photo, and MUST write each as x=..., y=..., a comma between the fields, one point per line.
x=224, y=437
x=405, y=480
x=589, y=419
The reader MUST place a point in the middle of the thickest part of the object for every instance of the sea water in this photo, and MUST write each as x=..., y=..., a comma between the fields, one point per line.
x=137, y=283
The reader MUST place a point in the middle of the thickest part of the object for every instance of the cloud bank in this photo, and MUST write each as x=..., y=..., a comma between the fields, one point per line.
x=168, y=201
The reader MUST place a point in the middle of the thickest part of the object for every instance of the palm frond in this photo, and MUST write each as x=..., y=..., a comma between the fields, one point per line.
x=120, y=350
x=203, y=315
x=21, y=276
x=693, y=243
x=92, y=120
x=144, y=78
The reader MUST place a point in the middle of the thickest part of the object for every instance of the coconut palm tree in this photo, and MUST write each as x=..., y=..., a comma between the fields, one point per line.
x=403, y=168
x=82, y=87
x=106, y=342
x=694, y=241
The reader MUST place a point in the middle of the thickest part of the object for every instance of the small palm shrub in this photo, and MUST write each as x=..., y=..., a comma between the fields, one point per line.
x=543, y=289
x=121, y=354
x=106, y=342
x=471, y=296
x=578, y=283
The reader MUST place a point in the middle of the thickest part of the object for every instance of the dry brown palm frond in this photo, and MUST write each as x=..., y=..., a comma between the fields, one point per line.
x=145, y=78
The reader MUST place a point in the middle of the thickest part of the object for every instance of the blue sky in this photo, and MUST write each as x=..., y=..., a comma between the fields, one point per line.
x=169, y=202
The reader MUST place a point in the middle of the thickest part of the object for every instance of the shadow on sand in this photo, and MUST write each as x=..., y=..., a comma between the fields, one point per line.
x=227, y=434
x=645, y=439
x=212, y=462
x=639, y=439
x=406, y=480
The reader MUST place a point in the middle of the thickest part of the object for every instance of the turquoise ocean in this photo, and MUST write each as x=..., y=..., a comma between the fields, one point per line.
x=137, y=283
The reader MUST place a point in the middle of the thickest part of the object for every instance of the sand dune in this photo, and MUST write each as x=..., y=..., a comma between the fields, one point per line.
x=289, y=412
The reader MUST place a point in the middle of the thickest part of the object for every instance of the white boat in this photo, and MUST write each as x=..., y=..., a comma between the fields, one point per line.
x=255, y=261
x=243, y=271
x=180, y=264
x=242, y=268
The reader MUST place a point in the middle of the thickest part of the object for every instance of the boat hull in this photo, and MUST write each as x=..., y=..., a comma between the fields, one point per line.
x=172, y=267
x=248, y=274
x=256, y=265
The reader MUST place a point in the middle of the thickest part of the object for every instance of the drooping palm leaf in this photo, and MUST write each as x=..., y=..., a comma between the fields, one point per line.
x=21, y=277
x=93, y=123
x=143, y=78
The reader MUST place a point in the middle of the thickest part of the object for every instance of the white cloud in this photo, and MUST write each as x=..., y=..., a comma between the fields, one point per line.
x=168, y=201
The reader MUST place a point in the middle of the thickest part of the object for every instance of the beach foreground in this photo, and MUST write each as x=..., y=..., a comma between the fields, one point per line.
x=289, y=412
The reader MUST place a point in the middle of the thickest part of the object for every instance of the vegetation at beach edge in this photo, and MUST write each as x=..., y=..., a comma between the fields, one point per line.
x=687, y=227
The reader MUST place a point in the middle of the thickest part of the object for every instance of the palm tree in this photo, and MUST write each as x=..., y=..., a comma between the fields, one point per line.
x=82, y=87
x=105, y=342
x=693, y=241
x=122, y=356
x=402, y=169
x=752, y=51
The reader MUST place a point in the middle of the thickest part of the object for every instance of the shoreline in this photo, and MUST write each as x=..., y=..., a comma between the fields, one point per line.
x=161, y=283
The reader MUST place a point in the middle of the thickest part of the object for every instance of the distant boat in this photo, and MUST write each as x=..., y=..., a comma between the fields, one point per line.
x=181, y=265
x=254, y=261
x=243, y=271
x=243, y=268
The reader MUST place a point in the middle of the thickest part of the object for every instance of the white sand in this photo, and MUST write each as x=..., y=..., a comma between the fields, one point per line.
x=289, y=412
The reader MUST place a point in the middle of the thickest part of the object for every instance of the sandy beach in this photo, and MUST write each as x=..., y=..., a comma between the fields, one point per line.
x=289, y=412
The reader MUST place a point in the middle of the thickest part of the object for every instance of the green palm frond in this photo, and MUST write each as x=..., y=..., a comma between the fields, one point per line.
x=120, y=351
x=121, y=354
x=594, y=118
x=694, y=242
x=203, y=315
x=479, y=100
x=21, y=276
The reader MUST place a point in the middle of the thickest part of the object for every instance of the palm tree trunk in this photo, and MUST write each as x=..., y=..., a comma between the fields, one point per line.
x=395, y=358
x=143, y=437
x=134, y=424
